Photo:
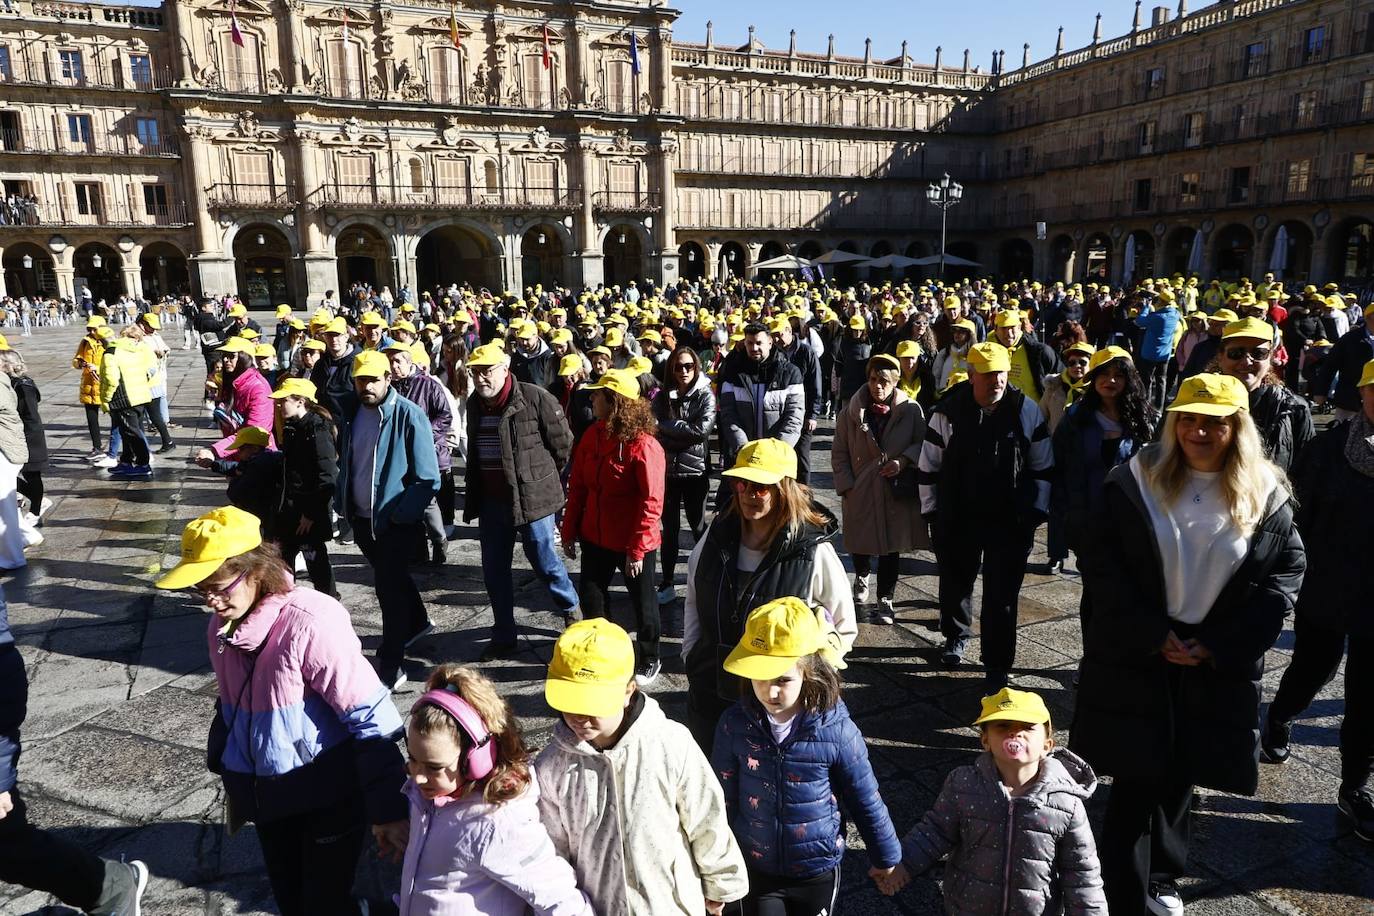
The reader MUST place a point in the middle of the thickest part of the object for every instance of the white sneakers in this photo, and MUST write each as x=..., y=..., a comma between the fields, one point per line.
x=861, y=590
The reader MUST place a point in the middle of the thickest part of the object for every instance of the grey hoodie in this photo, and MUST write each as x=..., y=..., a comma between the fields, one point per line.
x=1017, y=856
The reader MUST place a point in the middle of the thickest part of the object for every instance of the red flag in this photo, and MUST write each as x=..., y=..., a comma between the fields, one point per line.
x=235, y=35
x=548, y=57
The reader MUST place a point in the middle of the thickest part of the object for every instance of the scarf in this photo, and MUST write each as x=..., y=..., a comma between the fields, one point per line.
x=1359, y=446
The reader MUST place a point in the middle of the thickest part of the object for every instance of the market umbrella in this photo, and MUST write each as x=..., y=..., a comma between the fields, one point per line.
x=838, y=257
x=1128, y=265
x=951, y=260
x=894, y=262
x=782, y=262
x=1195, y=254
x=1278, y=261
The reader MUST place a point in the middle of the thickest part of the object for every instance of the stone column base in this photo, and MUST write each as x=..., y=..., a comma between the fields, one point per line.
x=321, y=275
x=593, y=268
x=213, y=274
x=667, y=269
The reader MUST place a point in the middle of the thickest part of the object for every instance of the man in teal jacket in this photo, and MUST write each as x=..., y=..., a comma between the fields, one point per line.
x=388, y=473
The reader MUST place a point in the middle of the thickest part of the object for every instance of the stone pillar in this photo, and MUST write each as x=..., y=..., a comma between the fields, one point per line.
x=65, y=271
x=589, y=253
x=713, y=260
x=584, y=73
x=131, y=268
x=663, y=70
x=1041, y=249
x=1118, y=261
x=183, y=29
x=665, y=223
x=201, y=181
x=320, y=266
x=293, y=74
x=512, y=267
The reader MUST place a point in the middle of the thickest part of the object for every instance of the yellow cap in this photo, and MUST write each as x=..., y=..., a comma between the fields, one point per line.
x=1223, y=315
x=1249, y=327
x=651, y=335
x=989, y=356
x=1211, y=395
x=624, y=382
x=640, y=365
x=765, y=461
x=777, y=325
x=615, y=337
x=1081, y=346
x=371, y=364
x=1010, y=705
x=397, y=346
x=1106, y=355
x=210, y=540
x=283, y=311
x=1008, y=318
x=1321, y=344
x=264, y=350
x=858, y=323
x=592, y=663
x=561, y=336
x=487, y=355
x=313, y=344
x=883, y=361
x=775, y=636
x=95, y=321
x=527, y=329
x=963, y=324
x=297, y=387
x=238, y=310
x=249, y=334
x=1369, y=310
x=336, y=326
x=373, y=319
x=235, y=345
x=297, y=324
x=250, y=435
x=419, y=353
x=151, y=320
x=908, y=348
x=569, y=365
x=952, y=302
x=403, y=325
x=1367, y=375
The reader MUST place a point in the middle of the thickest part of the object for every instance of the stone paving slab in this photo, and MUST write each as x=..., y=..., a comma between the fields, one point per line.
x=121, y=694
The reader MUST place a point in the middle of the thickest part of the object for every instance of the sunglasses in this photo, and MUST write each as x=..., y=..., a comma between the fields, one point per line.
x=750, y=488
x=1258, y=354
x=221, y=594
x=684, y=367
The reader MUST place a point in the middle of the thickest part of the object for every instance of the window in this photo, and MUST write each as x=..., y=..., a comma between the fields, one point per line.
x=1146, y=135
x=624, y=184
x=1254, y=63
x=146, y=131
x=849, y=111
x=87, y=198
x=417, y=176
x=815, y=108
x=155, y=199
x=1189, y=187
x=1239, y=191
x=1143, y=191
x=541, y=181
x=141, y=71
x=452, y=181
x=253, y=176
x=620, y=87
x=1154, y=81
x=1314, y=44
x=355, y=179
x=1298, y=173
x=732, y=104
x=1305, y=107
x=1192, y=129
x=6, y=71
x=1362, y=172
x=1366, y=103
x=445, y=76
x=345, y=69
x=72, y=68
x=774, y=107
x=537, y=82
x=241, y=69
x=79, y=130
x=489, y=177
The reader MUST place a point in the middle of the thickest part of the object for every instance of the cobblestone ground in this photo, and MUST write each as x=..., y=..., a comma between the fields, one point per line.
x=121, y=694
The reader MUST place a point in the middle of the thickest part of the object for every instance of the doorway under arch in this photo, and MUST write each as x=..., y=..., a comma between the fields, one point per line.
x=1178, y=248
x=692, y=258
x=1144, y=265
x=541, y=257
x=29, y=270
x=264, y=264
x=98, y=267
x=1234, y=252
x=1015, y=260
x=164, y=270
x=1097, y=258
x=454, y=254
x=734, y=258
x=363, y=256
x=1353, y=255
x=624, y=256
x=1063, y=259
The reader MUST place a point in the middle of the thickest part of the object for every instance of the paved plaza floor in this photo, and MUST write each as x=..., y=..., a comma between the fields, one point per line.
x=121, y=694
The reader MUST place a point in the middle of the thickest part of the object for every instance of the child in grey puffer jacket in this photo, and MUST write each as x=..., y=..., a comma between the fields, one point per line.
x=1013, y=822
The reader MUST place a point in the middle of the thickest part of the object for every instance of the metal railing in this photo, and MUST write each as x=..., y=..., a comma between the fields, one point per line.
x=105, y=214
x=98, y=144
x=233, y=195
x=94, y=74
x=627, y=201
x=363, y=196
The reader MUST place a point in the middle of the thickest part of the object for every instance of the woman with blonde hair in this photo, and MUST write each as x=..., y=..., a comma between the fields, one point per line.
x=1190, y=575
x=773, y=540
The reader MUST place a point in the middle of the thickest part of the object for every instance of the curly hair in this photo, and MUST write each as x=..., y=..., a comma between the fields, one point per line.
x=1138, y=416
x=512, y=773
x=629, y=417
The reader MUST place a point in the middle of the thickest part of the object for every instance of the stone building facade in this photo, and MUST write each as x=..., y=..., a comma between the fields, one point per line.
x=576, y=142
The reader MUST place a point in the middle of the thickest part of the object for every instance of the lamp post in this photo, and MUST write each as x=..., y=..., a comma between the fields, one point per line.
x=944, y=194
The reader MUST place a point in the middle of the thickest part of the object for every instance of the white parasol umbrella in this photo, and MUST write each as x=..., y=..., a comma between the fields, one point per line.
x=838, y=257
x=894, y=262
x=951, y=260
x=1195, y=254
x=1128, y=264
x=782, y=262
x=1278, y=261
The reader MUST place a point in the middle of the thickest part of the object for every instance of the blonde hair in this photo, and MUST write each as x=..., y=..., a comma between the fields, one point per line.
x=794, y=507
x=512, y=773
x=1246, y=475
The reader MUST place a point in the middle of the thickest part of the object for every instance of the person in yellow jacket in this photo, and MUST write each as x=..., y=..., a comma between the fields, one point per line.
x=88, y=355
x=124, y=392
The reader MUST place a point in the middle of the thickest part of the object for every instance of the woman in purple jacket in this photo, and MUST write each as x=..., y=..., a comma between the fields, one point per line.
x=304, y=733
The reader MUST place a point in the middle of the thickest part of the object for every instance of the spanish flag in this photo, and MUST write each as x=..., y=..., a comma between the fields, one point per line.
x=453, y=26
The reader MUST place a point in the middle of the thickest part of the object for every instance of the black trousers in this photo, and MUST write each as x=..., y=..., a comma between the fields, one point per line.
x=1002, y=558
x=772, y=895
x=599, y=567
x=133, y=448
x=1146, y=834
x=155, y=415
x=403, y=610
x=312, y=858
x=682, y=494
x=316, y=563
x=448, y=496
x=41, y=861
x=30, y=484
x=804, y=454
x=93, y=425
x=1155, y=376
x=887, y=571
x=1317, y=652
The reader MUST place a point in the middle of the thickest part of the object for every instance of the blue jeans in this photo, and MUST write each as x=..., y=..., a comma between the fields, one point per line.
x=497, y=532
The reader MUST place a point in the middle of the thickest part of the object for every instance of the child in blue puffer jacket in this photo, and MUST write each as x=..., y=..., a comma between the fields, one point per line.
x=785, y=753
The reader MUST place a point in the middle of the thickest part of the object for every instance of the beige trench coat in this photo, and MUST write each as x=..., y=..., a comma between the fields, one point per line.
x=876, y=522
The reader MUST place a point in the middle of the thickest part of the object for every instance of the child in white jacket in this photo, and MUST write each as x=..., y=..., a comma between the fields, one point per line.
x=625, y=793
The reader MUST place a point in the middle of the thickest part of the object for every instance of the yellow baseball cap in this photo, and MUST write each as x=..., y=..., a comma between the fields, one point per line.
x=249, y=334
x=955, y=377
x=765, y=461
x=883, y=361
x=1211, y=395
x=908, y=348
x=264, y=350
x=1367, y=376
x=1224, y=315
x=1011, y=705
x=336, y=326
x=651, y=335
x=1081, y=346
x=599, y=351
x=210, y=540
x=592, y=663
x=283, y=311
x=419, y=353
x=989, y=356
x=486, y=355
x=561, y=336
x=775, y=636
x=403, y=325
x=297, y=324
x=952, y=302
x=95, y=321
x=238, y=311
x=1249, y=327
x=624, y=382
x=250, y=435
x=372, y=318
x=397, y=347
x=371, y=364
x=1369, y=310
x=295, y=387
x=1008, y=318
x=235, y=345
x=858, y=323
x=963, y=324
x=640, y=365
x=1106, y=355
x=313, y=344
x=151, y=320
x=614, y=337
x=569, y=365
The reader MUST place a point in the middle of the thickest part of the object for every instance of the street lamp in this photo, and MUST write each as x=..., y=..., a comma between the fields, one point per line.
x=944, y=194
x=28, y=262
x=96, y=260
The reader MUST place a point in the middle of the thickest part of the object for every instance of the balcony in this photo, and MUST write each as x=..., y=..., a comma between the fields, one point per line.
x=371, y=196
x=64, y=215
x=627, y=201
x=92, y=75
x=39, y=142
x=235, y=196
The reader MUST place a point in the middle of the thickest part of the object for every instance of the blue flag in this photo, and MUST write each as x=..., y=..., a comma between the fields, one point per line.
x=634, y=54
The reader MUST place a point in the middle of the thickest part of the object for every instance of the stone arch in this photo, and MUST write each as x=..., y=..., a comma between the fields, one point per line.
x=735, y=257
x=264, y=263
x=1178, y=248
x=623, y=246
x=456, y=250
x=1097, y=257
x=1300, y=241
x=1233, y=252
x=165, y=270
x=1015, y=260
x=97, y=266
x=364, y=253
x=232, y=232
x=692, y=257
x=39, y=278
x=1063, y=258
x=1352, y=251
x=1145, y=255
x=543, y=253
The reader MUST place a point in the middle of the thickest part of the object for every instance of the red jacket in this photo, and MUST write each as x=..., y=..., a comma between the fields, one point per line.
x=615, y=493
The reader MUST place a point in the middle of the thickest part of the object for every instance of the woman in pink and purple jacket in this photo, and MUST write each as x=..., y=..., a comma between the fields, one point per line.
x=245, y=398
x=304, y=734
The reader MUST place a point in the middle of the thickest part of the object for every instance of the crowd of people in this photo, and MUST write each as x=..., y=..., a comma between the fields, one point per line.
x=1162, y=432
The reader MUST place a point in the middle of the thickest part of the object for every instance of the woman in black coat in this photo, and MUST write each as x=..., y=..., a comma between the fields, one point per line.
x=310, y=467
x=686, y=412
x=30, y=484
x=1194, y=565
x=1334, y=478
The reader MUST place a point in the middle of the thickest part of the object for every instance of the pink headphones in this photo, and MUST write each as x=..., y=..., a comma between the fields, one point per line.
x=477, y=761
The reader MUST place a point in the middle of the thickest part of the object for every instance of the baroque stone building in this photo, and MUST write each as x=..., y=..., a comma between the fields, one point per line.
x=576, y=141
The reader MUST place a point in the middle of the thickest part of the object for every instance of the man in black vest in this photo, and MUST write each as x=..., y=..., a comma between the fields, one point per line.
x=984, y=481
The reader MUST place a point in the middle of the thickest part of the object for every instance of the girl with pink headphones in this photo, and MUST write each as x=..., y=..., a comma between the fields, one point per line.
x=477, y=845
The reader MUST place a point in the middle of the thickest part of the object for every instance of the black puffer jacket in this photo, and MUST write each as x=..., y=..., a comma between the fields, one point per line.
x=1345, y=360
x=535, y=445
x=14, y=697
x=1284, y=421
x=684, y=427
x=1130, y=720
x=310, y=468
x=1331, y=494
x=26, y=392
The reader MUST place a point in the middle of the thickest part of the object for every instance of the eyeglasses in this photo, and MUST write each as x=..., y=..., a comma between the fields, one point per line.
x=1258, y=354
x=751, y=488
x=684, y=367
x=483, y=371
x=221, y=594
x=1077, y=362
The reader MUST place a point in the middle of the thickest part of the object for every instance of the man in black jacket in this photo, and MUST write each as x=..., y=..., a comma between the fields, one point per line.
x=333, y=379
x=34, y=858
x=808, y=364
x=1031, y=361
x=1343, y=366
x=518, y=444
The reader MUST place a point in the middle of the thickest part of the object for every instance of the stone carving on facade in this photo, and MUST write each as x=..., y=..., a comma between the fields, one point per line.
x=450, y=131
x=246, y=124
x=274, y=81
x=377, y=86
x=621, y=140
x=352, y=130
x=539, y=138
x=386, y=45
